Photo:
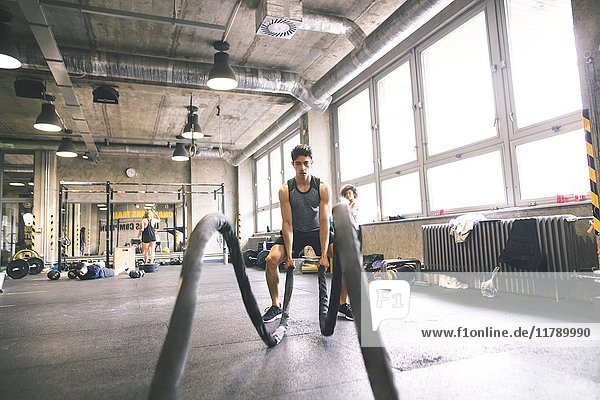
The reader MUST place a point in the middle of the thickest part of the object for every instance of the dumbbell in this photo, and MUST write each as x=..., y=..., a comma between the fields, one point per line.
x=250, y=257
x=261, y=259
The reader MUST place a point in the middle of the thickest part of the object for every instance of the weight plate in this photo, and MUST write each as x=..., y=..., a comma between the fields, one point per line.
x=250, y=257
x=17, y=269
x=53, y=275
x=261, y=259
x=36, y=265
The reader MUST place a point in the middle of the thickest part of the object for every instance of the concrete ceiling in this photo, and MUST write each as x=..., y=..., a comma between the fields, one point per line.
x=153, y=113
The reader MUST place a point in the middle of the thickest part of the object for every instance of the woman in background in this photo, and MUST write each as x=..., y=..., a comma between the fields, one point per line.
x=148, y=234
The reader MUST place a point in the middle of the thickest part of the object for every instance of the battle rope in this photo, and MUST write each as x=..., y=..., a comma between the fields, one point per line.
x=349, y=257
x=171, y=362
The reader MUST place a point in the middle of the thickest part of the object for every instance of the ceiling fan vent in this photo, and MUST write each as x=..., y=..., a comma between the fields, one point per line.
x=278, y=18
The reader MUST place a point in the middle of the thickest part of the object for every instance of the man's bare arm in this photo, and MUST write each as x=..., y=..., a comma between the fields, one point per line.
x=324, y=213
x=287, y=229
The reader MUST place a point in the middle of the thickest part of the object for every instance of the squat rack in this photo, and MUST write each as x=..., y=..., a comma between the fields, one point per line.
x=110, y=188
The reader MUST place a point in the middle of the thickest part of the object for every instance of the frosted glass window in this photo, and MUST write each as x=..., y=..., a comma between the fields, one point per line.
x=262, y=182
x=262, y=221
x=396, y=118
x=543, y=59
x=288, y=146
x=475, y=181
x=276, y=218
x=367, y=203
x=556, y=165
x=401, y=195
x=355, y=138
x=457, y=85
x=276, y=174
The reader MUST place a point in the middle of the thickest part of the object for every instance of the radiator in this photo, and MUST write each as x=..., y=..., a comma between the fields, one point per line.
x=557, y=241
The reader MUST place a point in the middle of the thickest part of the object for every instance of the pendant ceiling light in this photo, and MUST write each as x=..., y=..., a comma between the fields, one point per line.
x=191, y=129
x=180, y=153
x=48, y=120
x=67, y=148
x=9, y=56
x=221, y=76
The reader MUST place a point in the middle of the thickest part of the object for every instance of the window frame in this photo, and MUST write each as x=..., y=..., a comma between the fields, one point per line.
x=273, y=197
x=507, y=138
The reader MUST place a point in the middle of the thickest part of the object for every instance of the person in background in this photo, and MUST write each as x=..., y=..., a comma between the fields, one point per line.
x=348, y=195
x=86, y=271
x=148, y=235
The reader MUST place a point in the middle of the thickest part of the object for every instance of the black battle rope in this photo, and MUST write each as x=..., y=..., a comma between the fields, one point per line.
x=348, y=254
x=328, y=315
x=171, y=362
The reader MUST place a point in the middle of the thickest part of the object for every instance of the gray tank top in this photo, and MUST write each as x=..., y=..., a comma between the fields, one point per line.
x=305, y=205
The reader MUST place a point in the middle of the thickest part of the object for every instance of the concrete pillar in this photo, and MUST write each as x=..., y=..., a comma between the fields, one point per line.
x=45, y=200
x=247, y=204
x=586, y=23
x=319, y=139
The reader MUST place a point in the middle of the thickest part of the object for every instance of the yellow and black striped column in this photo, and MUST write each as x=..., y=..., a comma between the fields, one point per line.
x=52, y=234
x=33, y=234
x=239, y=229
x=592, y=171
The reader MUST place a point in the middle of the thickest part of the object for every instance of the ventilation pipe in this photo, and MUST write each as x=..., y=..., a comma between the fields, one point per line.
x=134, y=68
x=409, y=17
x=335, y=25
x=139, y=149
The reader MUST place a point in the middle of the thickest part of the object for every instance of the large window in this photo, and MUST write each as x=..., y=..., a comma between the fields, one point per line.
x=482, y=113
x=396, y=118
x=272, y=169
x=355, y=138
x=553, y=166
x=543, y=60
x=401, y=195
x=475, y=181
x=458, y=97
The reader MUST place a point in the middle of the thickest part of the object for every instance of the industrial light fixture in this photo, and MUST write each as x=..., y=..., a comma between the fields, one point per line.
x=9, y=56
x=48, y=120
x=221, y=76
x=67, y=148
x=16, y=184
x=191, y=129
x=180, y=153
x=30, y=183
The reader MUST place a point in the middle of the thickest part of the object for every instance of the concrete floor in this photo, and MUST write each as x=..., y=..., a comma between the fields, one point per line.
x=101, y=339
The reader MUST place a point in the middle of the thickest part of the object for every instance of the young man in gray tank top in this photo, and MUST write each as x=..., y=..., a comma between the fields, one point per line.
x=305, y=210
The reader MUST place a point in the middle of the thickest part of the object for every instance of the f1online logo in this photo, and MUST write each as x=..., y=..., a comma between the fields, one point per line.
x=389, y=299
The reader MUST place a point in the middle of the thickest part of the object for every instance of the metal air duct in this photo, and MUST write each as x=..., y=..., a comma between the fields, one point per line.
x=409, y=17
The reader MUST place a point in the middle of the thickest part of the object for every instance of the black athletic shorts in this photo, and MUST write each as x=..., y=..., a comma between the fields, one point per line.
x=303, y=239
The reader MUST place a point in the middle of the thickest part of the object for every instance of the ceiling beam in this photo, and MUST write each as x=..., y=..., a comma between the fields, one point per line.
x=133, y=15
x=35, y=16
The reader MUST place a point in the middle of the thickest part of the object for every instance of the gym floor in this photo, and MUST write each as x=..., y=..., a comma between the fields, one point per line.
x=101, y=339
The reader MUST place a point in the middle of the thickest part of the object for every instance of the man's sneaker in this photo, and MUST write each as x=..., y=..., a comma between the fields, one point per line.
x=271, y=314
x=345, y=311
